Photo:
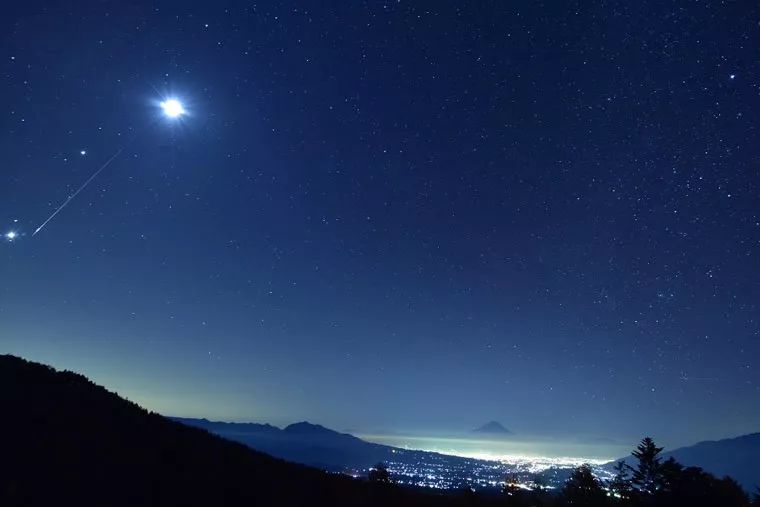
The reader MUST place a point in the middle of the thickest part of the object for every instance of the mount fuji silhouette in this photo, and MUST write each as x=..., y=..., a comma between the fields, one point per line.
x=492, y=428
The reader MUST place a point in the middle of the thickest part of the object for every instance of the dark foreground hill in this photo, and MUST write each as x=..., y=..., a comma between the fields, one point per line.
x=67, y=441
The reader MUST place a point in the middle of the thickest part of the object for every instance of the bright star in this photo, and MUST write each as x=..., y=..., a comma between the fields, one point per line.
x=172, y=108
x=11, y=235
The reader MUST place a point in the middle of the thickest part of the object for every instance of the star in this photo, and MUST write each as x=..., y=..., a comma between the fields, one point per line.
x=172, y=108
x=11, y=235
x=83, y=152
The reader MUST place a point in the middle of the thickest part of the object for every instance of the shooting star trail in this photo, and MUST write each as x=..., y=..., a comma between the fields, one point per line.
x=82, y=187
x=172, y=108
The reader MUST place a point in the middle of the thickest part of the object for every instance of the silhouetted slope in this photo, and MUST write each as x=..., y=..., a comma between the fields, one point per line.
x=317, y=446
x=305, y=443
x=734, y=457
x=67, y=441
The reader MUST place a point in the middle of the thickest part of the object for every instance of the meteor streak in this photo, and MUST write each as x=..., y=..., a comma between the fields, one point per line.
x=71, y=197
x=171, y=107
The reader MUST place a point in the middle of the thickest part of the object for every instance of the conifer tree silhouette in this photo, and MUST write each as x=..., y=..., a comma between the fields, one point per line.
x=620, y=484
x=647, y=474
x=583, y=489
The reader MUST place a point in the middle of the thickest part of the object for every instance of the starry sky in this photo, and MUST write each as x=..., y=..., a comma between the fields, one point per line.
x=401, y=216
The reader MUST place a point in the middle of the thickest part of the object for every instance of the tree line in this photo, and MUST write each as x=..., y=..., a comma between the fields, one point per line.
x=647, y=482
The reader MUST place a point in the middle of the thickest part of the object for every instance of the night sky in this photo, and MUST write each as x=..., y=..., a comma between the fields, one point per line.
x=398, y=217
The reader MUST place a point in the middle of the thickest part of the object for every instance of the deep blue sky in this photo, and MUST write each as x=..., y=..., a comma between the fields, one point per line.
x=401, y=216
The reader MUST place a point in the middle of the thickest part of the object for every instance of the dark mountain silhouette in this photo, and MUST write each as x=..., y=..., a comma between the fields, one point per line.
x=303, y=442
x=735, y=457
x=307, y=428
x=67, y=441
x=311, y=444
x=492, y=428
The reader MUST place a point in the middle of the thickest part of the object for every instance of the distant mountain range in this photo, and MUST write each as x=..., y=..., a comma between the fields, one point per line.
x=736, y=457
x=303, y=442
x=492, y=428
x=320, y=447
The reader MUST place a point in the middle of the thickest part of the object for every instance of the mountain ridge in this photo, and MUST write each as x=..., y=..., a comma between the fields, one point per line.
x=303, y=442
x=69, y=441
x=735, y=457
